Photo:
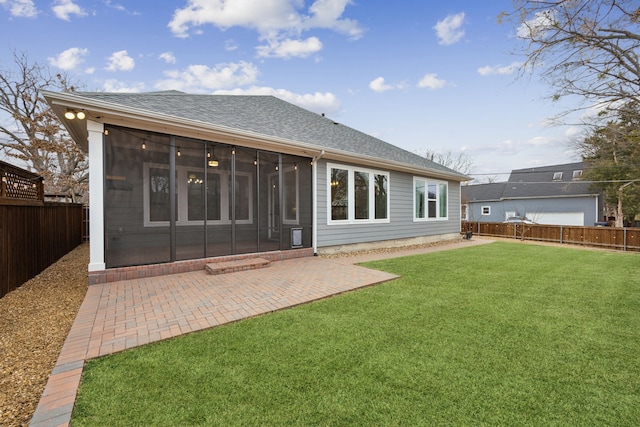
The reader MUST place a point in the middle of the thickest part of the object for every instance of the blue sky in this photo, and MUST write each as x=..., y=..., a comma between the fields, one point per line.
x=417, y=74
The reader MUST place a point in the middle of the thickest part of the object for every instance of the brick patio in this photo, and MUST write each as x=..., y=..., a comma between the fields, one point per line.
x=125, y=314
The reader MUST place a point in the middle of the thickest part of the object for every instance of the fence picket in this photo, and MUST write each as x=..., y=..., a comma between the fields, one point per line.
x=624, y=239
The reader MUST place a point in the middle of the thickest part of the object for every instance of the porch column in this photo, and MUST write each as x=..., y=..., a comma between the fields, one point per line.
x=96, y=196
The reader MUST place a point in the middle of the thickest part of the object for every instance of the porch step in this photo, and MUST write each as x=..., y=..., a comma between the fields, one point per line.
x=236, y=265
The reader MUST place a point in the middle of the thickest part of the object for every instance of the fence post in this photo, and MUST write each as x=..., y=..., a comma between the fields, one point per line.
x=624, y=248
x=561, y=234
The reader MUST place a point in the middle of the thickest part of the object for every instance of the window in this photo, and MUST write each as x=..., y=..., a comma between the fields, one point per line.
x=339, y=194
x=358, y=195
x=486, y=210
x=557, y=176
x=577, y=174
x=430, y=199
x=190, y=196
x=158, y=191
x=380, y=194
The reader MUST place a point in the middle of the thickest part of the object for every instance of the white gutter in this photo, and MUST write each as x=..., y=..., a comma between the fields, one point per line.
x=314, y=197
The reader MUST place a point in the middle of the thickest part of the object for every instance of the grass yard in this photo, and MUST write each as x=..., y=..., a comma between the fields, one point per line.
x=500, y=334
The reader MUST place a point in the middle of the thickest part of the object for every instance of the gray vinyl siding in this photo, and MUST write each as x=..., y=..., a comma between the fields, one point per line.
x=401, y=224
x=590, y=206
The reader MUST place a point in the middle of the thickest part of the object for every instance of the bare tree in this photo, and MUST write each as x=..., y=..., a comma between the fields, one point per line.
x=32, y=133
x=587, y=49
x=458, y=162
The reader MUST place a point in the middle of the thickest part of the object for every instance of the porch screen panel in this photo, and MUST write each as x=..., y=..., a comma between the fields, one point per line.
x=218, y=200
x=244, y=189
x=136, y=197
x=190, y=197
x=269, y=214
x=297, y=200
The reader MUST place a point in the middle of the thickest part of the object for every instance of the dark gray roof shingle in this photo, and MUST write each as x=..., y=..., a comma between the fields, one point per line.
x=532, y=182
x=268, y=116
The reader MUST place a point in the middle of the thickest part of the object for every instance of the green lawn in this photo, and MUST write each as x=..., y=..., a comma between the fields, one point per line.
x=500, y=334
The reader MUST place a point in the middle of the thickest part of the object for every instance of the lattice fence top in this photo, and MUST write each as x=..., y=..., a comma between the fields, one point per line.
x=18, y=183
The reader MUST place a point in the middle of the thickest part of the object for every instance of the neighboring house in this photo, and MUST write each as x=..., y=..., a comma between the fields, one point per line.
x=554, y=195
x=176, y=177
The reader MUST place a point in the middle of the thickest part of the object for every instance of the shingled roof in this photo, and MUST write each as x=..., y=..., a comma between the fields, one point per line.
x=267, y=116
x=538, y=182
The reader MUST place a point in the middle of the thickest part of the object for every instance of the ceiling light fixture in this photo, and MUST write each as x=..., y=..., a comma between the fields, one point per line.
x=72, y=114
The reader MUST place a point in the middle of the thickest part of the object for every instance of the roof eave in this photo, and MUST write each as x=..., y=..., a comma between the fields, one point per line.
x=117, y=114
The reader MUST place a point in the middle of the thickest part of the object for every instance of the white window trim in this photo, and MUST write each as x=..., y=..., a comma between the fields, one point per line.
x=351, y=212
x=428, y=181
x=488, y=210
x=182, y=173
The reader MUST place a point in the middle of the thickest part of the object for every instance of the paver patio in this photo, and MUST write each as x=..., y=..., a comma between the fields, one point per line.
x=121, y=315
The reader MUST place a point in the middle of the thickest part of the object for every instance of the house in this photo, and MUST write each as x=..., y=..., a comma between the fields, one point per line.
x=176, y=178
x=554, y=195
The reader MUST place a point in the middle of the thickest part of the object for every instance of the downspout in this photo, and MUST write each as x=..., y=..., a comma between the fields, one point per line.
x=314, y=192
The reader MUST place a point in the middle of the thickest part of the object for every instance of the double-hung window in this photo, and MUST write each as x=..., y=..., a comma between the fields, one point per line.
x=429, y=199
x=357, y=194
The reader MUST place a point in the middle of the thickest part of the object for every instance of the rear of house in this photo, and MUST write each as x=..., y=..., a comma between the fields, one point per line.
x=178, y=178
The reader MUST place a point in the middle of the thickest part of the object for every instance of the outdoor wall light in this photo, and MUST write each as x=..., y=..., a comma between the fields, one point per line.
x=179, y=153
x=72, y=114
x=144, y=146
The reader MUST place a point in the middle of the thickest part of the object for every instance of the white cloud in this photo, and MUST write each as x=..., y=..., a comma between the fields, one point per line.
x=20, y=8
x=317, y=102
x=535, y=27
x=504, y=148
x=112, y=85
x=69, y=59
x=202, y=78
x=539, y=141
x=230, y=45
x=289, y=48
x=489, y=70
x=431, y=81
x=449, y=30
x=267, y=17
x=114, y=6
x=63, y=9
x=120, y=61
x=278, y=22
x=574, y=132
x=167, y=57
x=379, y=85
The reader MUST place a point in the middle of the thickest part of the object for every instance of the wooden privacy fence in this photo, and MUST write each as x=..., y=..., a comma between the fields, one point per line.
x=624, y=239
x=33, y=234
x=34, y=237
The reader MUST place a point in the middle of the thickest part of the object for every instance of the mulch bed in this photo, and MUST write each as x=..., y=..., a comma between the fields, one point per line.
x=34, y=322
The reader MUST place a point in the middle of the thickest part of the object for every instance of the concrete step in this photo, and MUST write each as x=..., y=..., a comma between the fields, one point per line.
x=236, y=265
